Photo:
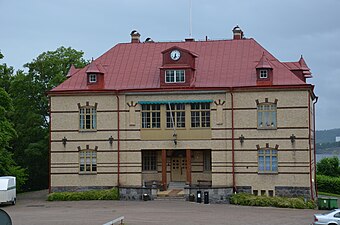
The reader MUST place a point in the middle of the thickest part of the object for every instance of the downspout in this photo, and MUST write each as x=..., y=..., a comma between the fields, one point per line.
x=310, y=149
x=49, y=146
x=118, y=141
x=316, y=186
x=232, y=140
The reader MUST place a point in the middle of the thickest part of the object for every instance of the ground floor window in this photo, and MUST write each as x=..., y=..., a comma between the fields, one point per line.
x=149, y=160
x=88, y=161
x=267, y=160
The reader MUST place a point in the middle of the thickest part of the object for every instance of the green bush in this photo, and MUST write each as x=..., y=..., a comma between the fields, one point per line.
x=111, y=194
x=328, y=184
x=264, y=201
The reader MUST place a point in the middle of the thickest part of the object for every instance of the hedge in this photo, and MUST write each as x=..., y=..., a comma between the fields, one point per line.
x=328, y=184
x=111, y=194
x=281, y=202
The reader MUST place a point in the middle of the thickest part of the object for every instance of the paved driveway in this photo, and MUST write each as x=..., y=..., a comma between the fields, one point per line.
x=32, y=209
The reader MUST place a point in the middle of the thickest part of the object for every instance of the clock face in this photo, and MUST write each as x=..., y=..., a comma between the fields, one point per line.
x=175, y=55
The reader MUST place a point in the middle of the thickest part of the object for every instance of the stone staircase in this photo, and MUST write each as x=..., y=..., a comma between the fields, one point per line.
x=175, y=192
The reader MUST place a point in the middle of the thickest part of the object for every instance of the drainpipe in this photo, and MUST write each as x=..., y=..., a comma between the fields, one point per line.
x=310, y=149
x=232, y=140
x=49, y=146
x=316, y=186
x=118, y=140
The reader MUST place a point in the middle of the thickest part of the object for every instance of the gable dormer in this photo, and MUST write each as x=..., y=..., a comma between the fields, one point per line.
x=95, y=74
x=264, y=72
x=178, y=67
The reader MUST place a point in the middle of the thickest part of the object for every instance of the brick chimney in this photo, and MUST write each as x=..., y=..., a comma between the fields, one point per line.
x=238, y=33
x=135, y=37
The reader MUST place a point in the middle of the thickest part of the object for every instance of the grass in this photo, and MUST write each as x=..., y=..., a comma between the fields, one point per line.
x=111, y=194
x=328, y=194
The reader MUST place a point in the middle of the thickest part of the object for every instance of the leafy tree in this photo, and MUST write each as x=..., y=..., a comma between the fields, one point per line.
x=329, y=167
x=31, y=112
x=5, y=75
x=7, y=133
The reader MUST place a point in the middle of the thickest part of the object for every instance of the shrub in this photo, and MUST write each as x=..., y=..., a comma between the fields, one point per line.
x=328, y=184
x=281, y=202
x=111, y=194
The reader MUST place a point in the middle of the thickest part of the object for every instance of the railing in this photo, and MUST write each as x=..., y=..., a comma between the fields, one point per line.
x=120, y=219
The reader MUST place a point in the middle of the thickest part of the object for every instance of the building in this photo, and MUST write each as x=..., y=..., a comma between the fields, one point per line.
x=219, y=116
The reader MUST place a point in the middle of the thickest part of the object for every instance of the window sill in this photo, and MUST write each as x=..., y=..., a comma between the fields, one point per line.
x=150, y=171
x=268, y=172
x=87, y=173
x=89, y=130
x=200, y=128
x=151, y=128
x=267, y=128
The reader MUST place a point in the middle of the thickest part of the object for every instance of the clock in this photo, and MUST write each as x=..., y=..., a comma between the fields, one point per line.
x=175, y=55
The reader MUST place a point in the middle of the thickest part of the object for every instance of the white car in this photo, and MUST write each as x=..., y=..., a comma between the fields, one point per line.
x=328, y=218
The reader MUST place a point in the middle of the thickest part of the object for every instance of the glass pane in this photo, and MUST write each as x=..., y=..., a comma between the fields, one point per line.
x=261, y=163
x=274, y=163
x=267, y=163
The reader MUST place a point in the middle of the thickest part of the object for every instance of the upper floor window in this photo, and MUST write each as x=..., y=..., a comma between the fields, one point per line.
x=174, y=76
x=149, y=160
x=151, y=116
x=88, y=161
x=92, y=78
x=267, y=160
x=87, y=118
x=200, y=115
x=266, y=116
x=175, y=114
x=263, y=74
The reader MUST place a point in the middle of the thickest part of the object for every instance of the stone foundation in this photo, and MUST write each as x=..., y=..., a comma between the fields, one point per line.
x=244, y=189
x=216, y=194
x=288, y=191
x=136, y=193
x=79, y=188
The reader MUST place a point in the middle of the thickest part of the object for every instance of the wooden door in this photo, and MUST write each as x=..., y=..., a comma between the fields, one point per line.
x=178, y=169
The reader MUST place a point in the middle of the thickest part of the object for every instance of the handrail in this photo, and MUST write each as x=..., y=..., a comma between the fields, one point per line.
x=119, y=219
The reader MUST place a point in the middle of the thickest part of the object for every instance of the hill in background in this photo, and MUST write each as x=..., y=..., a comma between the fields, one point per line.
x=327, y=136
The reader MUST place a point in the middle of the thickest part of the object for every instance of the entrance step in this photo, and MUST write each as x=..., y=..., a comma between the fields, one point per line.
x=176, y=185
x=173, y=194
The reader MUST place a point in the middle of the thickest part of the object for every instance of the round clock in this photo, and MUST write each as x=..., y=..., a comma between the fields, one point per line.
x=175, y=55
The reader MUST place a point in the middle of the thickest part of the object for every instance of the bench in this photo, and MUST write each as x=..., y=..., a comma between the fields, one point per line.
x=204, y=183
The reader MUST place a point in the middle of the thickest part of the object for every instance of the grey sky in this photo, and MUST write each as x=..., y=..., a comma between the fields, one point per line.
x=286, y=28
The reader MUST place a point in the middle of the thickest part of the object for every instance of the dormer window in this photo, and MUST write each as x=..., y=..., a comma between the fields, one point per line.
x=263, y=74
x=92, y=78
x=174, y=76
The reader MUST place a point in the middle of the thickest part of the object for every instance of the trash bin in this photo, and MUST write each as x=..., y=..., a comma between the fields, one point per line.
x=333, y=203
x=199, y=197
x=146, y=197
x=323, y=203
x=206, y=197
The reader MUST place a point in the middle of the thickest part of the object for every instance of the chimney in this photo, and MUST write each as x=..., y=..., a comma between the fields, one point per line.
x=135, y=37
x=238, y=33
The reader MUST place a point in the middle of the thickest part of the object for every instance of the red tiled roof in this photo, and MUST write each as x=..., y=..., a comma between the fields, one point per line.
x=72, y=71
x=300, y=65
x=225, y=63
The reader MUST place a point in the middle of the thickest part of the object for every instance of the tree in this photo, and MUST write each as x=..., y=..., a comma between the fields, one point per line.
x=7, y=133
x=30, y=116
x=329, y=167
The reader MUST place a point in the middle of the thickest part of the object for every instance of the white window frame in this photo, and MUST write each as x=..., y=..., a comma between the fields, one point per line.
x=267, y=116
x=176, y=76
x=263, y=74
x=87, y=118
x=87, y=161
x=269, y=159
x=92, y=78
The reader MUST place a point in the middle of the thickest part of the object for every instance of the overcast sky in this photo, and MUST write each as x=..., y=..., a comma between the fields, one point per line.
x=287, y=29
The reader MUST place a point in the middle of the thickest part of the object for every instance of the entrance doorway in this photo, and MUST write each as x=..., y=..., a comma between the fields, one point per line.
x=178, y=168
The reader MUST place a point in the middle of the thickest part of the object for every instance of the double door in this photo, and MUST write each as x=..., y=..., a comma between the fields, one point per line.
x=178, y=169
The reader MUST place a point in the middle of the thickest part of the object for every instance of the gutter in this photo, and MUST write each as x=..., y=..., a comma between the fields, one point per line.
x=118, y=140
x=49, y=146
x=310, y=148
x=316, y=186
x=233, y=140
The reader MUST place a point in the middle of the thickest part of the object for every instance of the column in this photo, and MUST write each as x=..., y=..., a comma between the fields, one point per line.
x=188, y=155
x=164, y=183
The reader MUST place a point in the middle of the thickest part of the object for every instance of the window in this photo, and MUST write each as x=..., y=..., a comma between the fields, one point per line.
x=337, y=215
x=255, y=192
x=88, y=161
x=263, y=74
x=207, y=160
x=263, y=192
x=175, y=114
x=149, y=160
x=266, y=116
x=87, y=118
x=267, y=160
x=270, y=193
x=174, y=76
x=151, y=116
x=92, y=78
x=200, y=115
